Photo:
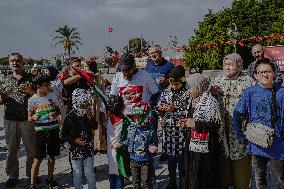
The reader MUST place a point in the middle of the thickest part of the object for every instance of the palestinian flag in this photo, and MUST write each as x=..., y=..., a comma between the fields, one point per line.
x=92, y=80
x=118, y=159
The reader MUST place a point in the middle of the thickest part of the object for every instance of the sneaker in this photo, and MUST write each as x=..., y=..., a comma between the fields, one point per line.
x=163, y=157
x=11, y=183
x=32, y=186
x=38, y=180
x=171, y=186
x=52, y=184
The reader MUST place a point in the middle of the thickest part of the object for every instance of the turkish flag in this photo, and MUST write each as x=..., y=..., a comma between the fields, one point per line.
x=110, y=29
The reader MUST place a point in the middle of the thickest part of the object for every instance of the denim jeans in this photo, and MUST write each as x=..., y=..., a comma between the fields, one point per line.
x=142, y=174
x=173, y=163
x=260, y=164
x=115, y=181
x=88, y=166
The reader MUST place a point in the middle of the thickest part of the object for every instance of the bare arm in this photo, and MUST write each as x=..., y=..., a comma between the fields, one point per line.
x=32, y=116
x=71, y=80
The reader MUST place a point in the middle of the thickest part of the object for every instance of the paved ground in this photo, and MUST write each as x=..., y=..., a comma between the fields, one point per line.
x=62, y=168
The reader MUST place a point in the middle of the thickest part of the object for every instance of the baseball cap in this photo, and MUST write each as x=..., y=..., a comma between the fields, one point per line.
x=126, y=61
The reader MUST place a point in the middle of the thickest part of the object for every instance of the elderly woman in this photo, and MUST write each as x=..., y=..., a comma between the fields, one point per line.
x=236, y=162
x=203, y=159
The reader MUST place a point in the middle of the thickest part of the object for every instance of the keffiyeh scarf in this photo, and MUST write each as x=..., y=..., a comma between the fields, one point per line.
x=80, y=96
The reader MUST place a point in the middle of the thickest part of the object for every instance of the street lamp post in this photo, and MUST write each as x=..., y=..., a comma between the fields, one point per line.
x=233, y=33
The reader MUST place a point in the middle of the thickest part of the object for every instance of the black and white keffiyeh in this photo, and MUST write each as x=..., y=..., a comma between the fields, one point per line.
x=80, y=96
x=206, y=107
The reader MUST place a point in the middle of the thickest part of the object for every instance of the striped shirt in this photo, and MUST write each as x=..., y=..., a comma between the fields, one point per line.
x=42, y=106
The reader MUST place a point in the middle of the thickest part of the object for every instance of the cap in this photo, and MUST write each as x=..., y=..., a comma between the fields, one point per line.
x=126, y=61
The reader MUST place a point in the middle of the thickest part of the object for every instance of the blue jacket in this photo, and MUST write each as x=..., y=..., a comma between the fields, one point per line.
x=140, y=138
x=255, y=103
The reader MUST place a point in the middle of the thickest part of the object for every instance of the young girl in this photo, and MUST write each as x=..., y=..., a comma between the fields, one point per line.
x=263, y=104
x=77, y=130
x=118, y=158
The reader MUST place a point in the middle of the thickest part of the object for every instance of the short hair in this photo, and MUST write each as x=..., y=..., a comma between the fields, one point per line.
x=265, y=61
x=127, y=58
x=158, y=47
x=40, y=79
x=18, y=55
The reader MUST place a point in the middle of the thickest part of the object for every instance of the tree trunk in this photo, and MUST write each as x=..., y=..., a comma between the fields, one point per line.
x=69, y=52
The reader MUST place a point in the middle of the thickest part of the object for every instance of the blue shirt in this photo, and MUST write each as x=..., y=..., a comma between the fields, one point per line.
x=256, y=103
x=159, y=70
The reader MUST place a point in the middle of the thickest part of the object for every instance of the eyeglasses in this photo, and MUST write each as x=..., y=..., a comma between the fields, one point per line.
x=15, y=60
x=265, y=72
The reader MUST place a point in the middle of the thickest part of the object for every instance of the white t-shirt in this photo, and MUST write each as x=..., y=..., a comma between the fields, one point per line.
x=138, y=89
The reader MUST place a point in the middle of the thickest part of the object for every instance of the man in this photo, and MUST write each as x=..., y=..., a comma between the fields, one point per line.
x=158, y=67
x=15, y=92
x=135, y=86
x=237, y=164
x=71, y=82
x=257, y=52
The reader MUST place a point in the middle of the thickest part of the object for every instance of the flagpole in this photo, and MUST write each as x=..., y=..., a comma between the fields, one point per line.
x=109, y=37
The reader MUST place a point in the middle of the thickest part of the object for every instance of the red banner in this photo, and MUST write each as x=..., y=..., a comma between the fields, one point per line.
x=276, y=53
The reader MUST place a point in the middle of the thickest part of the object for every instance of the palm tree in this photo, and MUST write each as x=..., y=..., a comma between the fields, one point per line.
x=67, y=36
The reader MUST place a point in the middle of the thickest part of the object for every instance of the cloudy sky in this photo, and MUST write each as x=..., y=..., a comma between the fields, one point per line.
x=26, y=26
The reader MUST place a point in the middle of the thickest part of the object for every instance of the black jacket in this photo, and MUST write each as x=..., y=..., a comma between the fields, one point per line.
x=74, y=125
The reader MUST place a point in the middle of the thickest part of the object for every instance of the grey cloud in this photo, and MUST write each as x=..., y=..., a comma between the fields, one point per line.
x=26, y=25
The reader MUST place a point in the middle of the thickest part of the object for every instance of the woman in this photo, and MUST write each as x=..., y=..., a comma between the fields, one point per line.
x=203, y=159
x=263, y=104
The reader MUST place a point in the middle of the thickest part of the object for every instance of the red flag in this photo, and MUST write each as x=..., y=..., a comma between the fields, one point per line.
x=110, y=29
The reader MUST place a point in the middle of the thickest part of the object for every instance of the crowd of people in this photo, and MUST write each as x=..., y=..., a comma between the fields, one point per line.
x=220, y=133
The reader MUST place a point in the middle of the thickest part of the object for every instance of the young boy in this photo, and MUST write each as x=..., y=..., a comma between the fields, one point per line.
x=173, y=106
x=142, y=145
x=118, y=158
x=43, y=110
x=77, y=131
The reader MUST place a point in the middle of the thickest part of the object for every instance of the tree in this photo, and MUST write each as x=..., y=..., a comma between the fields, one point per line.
x=252, y=18
x=137, y=46
x=69, y=37
x=58, y=64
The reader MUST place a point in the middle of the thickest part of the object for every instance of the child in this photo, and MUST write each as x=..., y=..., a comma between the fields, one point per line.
x=118, y=158
x=43, y=110
x=142, y=145
x=77, y=131
x=173, y=106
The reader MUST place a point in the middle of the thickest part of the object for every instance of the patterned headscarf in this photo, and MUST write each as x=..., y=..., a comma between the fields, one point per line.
x=207, y=107
x=80, y=96
x=236, y=58
x=199, y=83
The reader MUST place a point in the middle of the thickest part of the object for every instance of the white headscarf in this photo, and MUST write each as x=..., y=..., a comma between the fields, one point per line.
x=80, y=96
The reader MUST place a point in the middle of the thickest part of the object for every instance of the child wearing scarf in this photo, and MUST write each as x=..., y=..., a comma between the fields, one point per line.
x=142, y=145
x=118, y=158
x=77, y=131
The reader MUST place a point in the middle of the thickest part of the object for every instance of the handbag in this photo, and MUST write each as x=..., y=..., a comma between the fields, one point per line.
x=260, y=134
x=199, y=141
